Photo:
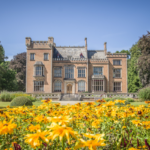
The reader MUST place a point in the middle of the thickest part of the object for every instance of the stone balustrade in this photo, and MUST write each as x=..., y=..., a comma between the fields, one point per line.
x=107, y=95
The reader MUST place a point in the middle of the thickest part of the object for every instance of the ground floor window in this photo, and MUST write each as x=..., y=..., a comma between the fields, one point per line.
x=117, y=86
x=38, y=85
x=57, y=86
x=81, y=86
x=97, y=85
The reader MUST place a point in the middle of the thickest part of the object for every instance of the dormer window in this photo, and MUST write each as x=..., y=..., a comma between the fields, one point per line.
x=58, y=55
x=81, y=55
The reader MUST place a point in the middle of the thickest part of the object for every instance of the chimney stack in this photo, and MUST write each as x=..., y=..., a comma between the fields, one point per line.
x=105, y=49
x=86, y=43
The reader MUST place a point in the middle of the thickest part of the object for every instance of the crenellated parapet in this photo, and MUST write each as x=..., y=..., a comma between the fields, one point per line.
x=116, y=55
x=40, y=44
x=102, y=60
x=69, y=60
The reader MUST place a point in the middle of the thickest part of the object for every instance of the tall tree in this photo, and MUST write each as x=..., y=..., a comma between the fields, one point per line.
x=125, y=51
x=144, y=59
x=8, y=80
x=18, y=63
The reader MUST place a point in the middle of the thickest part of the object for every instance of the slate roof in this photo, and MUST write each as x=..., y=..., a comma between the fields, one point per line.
x=74, y=52
x=96, y=54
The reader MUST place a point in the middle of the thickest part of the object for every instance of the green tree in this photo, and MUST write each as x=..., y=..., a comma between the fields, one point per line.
x=144, y=59
x=8, y=80
x=133, y=54
x=134, y=83
x=18, y=63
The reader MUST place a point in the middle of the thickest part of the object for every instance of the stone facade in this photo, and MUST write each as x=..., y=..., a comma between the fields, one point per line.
x=44, y=59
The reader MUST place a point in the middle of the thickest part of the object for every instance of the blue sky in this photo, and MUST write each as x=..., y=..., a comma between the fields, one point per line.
x=120, y=23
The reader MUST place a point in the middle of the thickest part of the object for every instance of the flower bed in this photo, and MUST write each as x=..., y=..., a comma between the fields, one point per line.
x=101, y=125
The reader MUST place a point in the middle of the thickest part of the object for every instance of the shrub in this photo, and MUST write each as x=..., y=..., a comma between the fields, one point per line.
x=144, y=94
x=5, y=96
x=20, y=101
x=130, y=100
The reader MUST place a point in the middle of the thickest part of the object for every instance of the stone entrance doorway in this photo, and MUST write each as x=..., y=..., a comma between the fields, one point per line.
x=69, y=89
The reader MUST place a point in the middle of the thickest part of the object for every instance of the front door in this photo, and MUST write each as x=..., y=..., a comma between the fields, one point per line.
x=69, y=89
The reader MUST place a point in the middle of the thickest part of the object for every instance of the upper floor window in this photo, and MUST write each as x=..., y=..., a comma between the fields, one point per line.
x=38, y=85
x=81, y=72
x=32, y=56
x=97, y=71
x=69, y=72
x=39, y=71
x=58, y=56
x=116, y=62
x=45, y=56
x=57, y=72
x=117, y=73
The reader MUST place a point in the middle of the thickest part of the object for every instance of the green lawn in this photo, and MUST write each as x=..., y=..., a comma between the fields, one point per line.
x=37, y=103
x=5, y=104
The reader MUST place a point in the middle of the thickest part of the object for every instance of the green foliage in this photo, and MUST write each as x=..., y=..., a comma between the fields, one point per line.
x=144, y=59
x=134, y=83
x=21, y=101
x=144, y=94
x=125, y=51
x=130, y=100
x=5, y=96
x=8, y=81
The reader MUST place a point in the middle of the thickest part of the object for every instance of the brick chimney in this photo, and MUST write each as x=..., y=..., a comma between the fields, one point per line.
x=86, y=44
x=105, y=49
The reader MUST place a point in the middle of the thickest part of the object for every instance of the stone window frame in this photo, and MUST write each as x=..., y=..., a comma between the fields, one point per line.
x=101, y=86
x=116, y=63
x=69, y=66
x=32, y=58
x=60, y=86
x=97, y=67
x=47, y=57
x=81, y=81
x=114, y=75
x=42, y=70
x=58, y=68
x=117, y=86
x=38, y=86
x=83, y=68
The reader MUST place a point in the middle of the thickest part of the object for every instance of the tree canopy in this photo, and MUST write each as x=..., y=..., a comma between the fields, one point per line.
x=18, y=63
x=144, y=59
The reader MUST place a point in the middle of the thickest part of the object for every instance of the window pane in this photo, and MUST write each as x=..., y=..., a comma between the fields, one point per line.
x=38, y=85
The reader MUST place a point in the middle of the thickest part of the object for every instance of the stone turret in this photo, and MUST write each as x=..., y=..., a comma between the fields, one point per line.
x=28, y=41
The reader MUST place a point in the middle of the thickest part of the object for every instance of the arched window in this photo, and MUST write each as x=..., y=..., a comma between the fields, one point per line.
x=81, y=86
x=81, y=55
x=57, y=86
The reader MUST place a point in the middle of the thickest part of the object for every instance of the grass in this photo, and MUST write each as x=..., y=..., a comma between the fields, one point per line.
x=5, y=104
x=38, y=103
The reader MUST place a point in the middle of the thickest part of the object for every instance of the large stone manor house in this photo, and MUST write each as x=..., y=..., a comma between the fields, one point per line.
x=73, y=69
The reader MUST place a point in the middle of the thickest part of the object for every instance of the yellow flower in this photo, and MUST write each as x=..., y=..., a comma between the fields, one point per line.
x=62, y=131
x=62, y=120
x=91, y=144
x=35, y=139
x=34, y=128
x=133, y=148
x=123, y=127
x=46, y=101
x=7, y=127
x=120, y=101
